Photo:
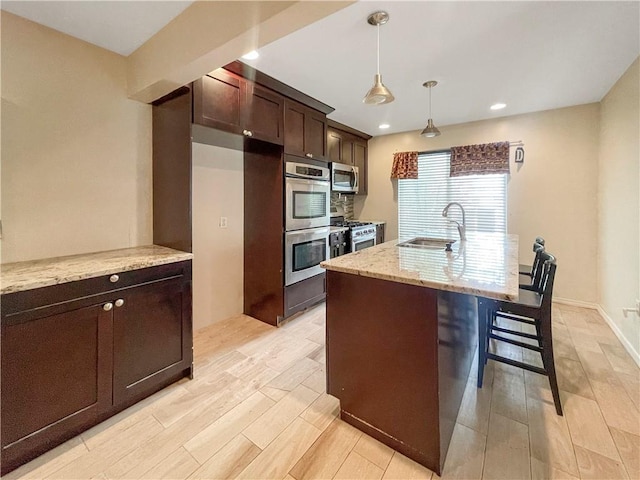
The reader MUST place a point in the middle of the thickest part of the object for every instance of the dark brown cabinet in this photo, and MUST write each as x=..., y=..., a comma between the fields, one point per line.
x=76, y=353
x=149, y=338
x=56, y=376
x=228, y=102
x=305, y=131
x=380, y=233
x=348, y=146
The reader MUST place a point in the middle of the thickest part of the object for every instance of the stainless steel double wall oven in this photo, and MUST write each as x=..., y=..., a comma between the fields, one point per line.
x=307, y=200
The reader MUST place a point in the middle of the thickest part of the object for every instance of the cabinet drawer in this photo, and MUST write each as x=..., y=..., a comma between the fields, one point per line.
x=303, y=294
x=30, y=304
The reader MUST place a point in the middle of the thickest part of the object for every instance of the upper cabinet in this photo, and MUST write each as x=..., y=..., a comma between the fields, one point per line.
x=305, y=131
x=228, y=102
x=349, y=146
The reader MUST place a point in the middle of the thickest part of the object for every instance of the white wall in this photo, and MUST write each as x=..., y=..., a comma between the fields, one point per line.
x=218, y=252
x=553, y=193
x=619, y=204
x=76, y=152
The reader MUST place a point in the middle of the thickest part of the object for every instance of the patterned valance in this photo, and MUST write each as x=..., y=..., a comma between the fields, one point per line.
x=480, y=159
x=405, y=165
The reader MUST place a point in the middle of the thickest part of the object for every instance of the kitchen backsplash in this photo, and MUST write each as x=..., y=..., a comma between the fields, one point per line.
x=345, y=201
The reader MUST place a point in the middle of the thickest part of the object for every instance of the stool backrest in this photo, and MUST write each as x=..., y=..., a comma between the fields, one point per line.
x=548, y=276
x=536, y=268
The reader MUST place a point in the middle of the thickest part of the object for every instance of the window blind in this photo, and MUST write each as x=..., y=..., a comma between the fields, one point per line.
x=421, y=200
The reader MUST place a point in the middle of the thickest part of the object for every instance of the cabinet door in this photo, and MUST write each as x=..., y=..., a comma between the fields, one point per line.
x=56, y=378
x=347, y=151
x=334, y=146
x=360, y=161
x=315, y=134
x=218, y=99
x=305, y=131
x=151, y=337
x=294, y=128
x=264, y=114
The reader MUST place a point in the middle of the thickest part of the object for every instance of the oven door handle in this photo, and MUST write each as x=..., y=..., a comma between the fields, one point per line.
x=316, y=233
x=306, y=180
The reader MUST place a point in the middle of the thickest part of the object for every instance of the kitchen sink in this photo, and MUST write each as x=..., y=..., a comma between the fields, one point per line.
x=428, y=242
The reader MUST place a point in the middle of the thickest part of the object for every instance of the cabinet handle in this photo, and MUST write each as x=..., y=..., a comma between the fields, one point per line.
x=107, y=306
x=114, y=278
x=308, y=155
x=247, y=133
x=119, y=302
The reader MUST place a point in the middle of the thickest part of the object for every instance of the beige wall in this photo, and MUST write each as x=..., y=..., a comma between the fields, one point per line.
x=553, y=194
x=76, y=153
x=619, y=204
x=218, y=252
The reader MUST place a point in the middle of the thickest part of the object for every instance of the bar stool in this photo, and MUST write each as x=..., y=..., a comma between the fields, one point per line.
x=528, y=269
x=532, y=308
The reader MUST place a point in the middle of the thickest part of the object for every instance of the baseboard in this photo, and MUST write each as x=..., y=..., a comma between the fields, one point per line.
x=576, y=303
x=625, y=343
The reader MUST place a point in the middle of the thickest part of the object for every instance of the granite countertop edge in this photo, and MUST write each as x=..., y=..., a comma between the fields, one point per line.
x=29, y=275
x=372, y=263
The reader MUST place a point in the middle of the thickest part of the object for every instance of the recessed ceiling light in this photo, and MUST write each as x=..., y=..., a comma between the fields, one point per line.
x=498, y=106
x=252, y=55
x=382, y=126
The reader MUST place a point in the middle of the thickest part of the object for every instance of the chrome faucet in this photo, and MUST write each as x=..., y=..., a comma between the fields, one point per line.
x=462, y=229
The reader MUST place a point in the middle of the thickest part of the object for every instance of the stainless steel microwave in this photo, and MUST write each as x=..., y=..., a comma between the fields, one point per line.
x=344, y=178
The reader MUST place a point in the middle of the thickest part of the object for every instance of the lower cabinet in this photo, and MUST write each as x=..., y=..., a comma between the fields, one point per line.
x=56, y=378
x=148, y=340
x=305, y=293
x=74, y=354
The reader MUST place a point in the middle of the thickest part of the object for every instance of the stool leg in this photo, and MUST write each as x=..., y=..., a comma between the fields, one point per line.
x=482, y=340
x=491, y=321
x=547, y=360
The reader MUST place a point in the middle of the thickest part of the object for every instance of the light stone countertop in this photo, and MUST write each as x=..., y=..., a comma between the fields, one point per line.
x=485, y=265
x=19, y=276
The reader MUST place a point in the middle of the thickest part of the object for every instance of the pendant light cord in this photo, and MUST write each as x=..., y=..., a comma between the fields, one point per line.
x=430, y=102
x=378, y=50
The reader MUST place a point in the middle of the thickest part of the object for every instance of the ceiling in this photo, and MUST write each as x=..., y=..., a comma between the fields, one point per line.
x=119, y=26
x=532, y=56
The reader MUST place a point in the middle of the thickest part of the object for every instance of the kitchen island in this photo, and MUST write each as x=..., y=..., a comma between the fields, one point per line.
x=402, y=332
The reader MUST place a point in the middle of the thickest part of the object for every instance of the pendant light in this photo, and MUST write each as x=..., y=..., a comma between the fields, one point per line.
x=378, y=94
x=430, y=130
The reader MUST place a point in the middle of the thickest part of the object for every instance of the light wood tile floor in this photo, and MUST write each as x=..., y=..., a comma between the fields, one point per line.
x=257, y=409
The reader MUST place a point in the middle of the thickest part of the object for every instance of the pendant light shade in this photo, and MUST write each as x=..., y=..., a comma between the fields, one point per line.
x=378, y=94
x=430, y=130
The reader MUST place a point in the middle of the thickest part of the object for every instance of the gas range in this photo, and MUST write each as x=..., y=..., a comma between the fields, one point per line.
x=362, y=234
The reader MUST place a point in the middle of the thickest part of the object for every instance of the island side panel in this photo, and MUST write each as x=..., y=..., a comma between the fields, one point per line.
x=457, y=344
x=382, y=362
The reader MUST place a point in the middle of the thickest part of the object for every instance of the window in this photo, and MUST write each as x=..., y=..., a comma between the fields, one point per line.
x=421, y=200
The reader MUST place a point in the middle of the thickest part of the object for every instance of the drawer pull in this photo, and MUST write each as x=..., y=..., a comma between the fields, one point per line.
x=119, y=302
x=309, y=155
x=114, y=278
x=107, y=306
